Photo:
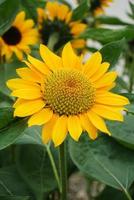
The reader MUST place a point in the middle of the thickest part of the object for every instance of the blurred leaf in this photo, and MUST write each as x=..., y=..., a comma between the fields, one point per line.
x=35, y=167
x=11, y=183
x=8, y=11
x=30, y=7
x=108, y=35
x=6, y=116
x=122, y=83
x=111, y=194
x=13, y=197
x=123, y=131
x=31, y=135
x=80, y=11
x=110, y=20
x=130, y=108
x=105, y=160
x=10, y=133
x=112, y=51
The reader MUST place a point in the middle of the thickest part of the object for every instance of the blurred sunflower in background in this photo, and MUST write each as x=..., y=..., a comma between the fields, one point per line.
x=65, y=95
x=97, y=6
x=18, y=38
x=56, y=26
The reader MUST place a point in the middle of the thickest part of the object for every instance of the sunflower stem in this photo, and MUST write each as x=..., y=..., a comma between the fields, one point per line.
x=63, y=170
x=53, y=166
x=52, y=40
x=128, y=195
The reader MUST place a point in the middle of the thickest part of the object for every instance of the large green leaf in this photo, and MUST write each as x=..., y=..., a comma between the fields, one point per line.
x=104, y=159
x=8, y=10
x=80, y=11
x=31, y=136
x=130, y=108
x=105, y=35
x=112, y=51
x=123, y=131
x=11, y=182
x=35, y=167
x=10, y=133
x=6, y=116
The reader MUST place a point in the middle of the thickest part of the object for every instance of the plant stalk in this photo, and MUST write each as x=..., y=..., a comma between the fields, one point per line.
x=63, y=170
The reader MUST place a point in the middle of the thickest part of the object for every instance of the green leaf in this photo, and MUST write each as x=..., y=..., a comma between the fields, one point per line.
x=6, y=116
x=130, y=108
x=112, y=51
x=10, y=133
x=110, y=20
x=35, y=168
x=13, y=197
x=30, y=7
x=11, y=183
x=123, y=131
x=8, y=11
x=81, y=10
x=104, y=159
x=111, y=194
x=105, y=35
x=31, y=135
x=130, y=96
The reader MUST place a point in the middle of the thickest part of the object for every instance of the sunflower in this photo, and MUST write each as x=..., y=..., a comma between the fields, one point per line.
x=66, y=95
x=18, y=37
x=97, y=6
x=56, y=19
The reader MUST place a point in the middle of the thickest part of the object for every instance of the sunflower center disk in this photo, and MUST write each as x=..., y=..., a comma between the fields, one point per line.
x=12, y=36
x=68, y=92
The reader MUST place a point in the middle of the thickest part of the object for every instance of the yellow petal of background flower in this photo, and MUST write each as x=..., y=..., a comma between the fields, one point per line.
x=74, y=127
x=41, y=117
x=62, y=12
x=59, y=130
x=98, y=122
x=107, y=112
x=39, y=65
x=92, y=64
x=48, y=128
x=29, y=107
x=52, y=60
x=88, y=126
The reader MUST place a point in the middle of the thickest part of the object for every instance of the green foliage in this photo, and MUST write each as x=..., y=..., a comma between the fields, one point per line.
x=105, y=35
x=8, y=10
x=105, y=160
x=81, y=10
x=110, y=20
x=34, y=166
x=112, y=51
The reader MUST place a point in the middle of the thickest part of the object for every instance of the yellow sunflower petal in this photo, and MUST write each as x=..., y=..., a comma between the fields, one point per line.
x=107, y=112
x=29, y=107
x=59, y=130
x=100, y=72
x=109, y=98
x=52, y=60
x=88, y=126
x=18, y=102
x=18, y=83
x=92, y=64
x=74, y=127
x=62, y=12
x=98, y=122
x=28, y=74
x=27, y=93
x=41, y=117
x=48, y=128
x=69, y=58
x=39, y=65
x=107, y=79
x=78, y=28
x=19, y=18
